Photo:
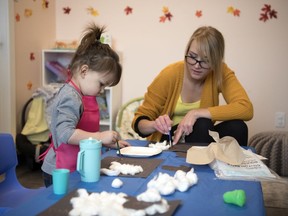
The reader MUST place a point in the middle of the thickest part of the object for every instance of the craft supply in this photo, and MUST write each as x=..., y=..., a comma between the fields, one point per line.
x=170, y=138
x=118, y=148
x=236, y=197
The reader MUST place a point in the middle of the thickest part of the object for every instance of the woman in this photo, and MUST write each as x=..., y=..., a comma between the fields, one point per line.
x=184, y=98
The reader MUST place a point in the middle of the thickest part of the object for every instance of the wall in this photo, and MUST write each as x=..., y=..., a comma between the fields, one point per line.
x=34, y=31
x=255, y=50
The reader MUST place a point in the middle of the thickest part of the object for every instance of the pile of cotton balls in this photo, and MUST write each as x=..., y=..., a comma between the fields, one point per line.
x=106, y=204
x=97, y=203
x=167, y=184
x=160, y=145
x=116, y=168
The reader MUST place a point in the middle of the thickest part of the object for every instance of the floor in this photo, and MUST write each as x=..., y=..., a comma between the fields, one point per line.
x=275, y=193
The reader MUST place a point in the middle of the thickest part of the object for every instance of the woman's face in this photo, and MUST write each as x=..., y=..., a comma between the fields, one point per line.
x=197, y=68
x=92, y=83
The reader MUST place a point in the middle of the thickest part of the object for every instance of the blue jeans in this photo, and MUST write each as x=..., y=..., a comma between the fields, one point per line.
x=47, y=179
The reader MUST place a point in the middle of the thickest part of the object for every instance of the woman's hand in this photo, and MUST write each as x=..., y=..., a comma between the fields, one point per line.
x=185, y=127
x=163, y=124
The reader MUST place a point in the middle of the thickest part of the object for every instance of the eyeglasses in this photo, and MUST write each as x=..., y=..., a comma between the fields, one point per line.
x=193, y=61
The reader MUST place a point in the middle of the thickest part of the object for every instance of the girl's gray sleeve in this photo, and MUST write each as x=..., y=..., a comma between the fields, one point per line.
x=66, y=115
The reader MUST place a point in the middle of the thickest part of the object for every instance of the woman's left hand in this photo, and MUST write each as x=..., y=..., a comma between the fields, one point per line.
x=185, y=127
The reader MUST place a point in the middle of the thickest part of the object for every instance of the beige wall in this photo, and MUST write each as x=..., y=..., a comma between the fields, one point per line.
x=32, y=34
x=255, y=50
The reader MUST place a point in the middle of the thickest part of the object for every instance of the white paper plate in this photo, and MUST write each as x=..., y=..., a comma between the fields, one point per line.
x=138, y=151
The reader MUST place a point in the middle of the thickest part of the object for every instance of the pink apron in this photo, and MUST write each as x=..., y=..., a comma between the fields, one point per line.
x=66, y=154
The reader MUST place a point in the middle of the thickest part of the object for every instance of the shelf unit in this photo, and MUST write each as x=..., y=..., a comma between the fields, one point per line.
x=113, y=94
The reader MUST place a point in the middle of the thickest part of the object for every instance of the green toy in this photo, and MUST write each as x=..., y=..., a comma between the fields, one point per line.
x=236, y=197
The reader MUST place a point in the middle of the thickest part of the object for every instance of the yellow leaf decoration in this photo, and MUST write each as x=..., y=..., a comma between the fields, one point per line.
x=28, y=12
x=165, y=10
x=92, y=11
x=230, y=10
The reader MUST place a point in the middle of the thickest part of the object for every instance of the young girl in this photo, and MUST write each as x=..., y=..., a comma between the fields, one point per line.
x=75, y=115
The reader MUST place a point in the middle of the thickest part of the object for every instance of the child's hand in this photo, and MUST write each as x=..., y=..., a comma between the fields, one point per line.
x=123, y=143
x=109, y=137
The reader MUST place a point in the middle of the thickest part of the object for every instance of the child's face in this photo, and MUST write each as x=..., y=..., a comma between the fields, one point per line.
x=93, y=83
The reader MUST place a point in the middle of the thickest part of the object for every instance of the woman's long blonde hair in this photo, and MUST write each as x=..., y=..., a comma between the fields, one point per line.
x=211, y=47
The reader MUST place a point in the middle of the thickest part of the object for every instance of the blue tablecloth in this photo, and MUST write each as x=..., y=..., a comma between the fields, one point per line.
x=204, y=198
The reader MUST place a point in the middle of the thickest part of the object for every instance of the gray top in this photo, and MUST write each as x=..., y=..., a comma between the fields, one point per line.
x=66, y=113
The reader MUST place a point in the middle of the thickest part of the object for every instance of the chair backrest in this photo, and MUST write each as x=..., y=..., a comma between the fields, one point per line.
x=124, y=119
x=8, y=156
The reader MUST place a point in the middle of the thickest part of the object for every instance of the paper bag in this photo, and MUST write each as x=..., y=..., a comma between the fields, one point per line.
x=225, y=149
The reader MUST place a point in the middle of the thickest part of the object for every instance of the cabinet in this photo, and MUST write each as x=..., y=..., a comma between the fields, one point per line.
x=60, y=59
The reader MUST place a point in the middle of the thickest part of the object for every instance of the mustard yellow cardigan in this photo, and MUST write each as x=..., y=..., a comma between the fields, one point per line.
x=162, y=95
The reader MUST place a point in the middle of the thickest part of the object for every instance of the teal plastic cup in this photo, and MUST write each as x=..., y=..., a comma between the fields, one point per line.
x=60, y=181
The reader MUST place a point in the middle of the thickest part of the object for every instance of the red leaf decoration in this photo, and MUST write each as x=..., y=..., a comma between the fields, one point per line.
x=169, y=16
x=32, y=56
x=273, y=14
x=66, y=10
x=128, y=10
x=266, y=8
x=268, y=12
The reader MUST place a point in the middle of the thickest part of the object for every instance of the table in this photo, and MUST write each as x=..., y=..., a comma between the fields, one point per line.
x=204, y=198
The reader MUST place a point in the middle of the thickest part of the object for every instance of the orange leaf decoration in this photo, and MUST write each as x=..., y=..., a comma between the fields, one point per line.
x=17, y=17
x=162, y=19
x=29, y=85
x=198, y=13
x=236, y=12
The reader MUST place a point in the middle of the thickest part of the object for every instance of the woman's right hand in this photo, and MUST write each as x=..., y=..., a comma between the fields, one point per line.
x=163, y=124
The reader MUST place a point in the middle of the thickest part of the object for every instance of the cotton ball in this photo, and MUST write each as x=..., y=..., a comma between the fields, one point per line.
x=163, y=183
x=158, y=208
x=180, y=174
x=150, y=195
x=182, y=184
x=167, y=189
x=117, y=183
x=114, y=165
x=110, y=172
x=192, y=177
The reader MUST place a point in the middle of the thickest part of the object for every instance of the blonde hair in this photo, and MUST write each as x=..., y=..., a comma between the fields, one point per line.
x=211, y=47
